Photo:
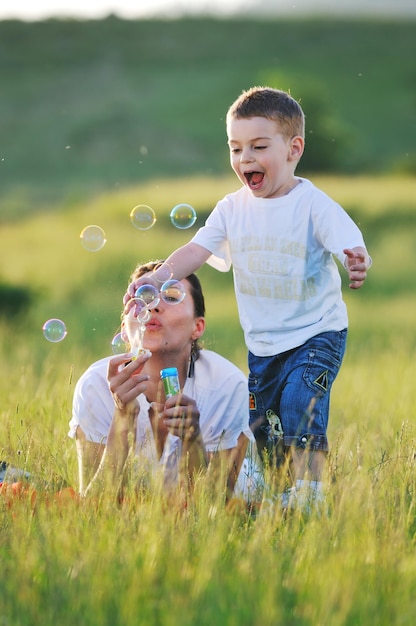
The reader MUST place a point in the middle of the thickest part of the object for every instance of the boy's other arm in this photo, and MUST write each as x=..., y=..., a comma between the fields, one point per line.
x=357, y=263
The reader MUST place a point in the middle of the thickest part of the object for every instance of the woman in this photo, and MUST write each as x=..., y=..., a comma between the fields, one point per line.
x=119, y=402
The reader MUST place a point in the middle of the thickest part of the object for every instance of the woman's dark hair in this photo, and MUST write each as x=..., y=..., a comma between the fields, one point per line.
x=197, y=295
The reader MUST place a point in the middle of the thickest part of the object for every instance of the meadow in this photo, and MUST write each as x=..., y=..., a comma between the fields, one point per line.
x=97, y=117
x=96, y=563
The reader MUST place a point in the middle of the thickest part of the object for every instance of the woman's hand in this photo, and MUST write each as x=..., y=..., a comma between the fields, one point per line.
x=126, y=379
x=181, y=417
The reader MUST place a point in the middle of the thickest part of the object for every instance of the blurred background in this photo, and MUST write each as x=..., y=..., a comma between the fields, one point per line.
x=88, y=105
x=106, y=105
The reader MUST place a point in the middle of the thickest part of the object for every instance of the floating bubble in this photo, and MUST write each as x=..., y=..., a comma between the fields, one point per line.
x=135, y=306
x=183, y=216
x=142, y=217
x=139, y=310
x=172, y=292
x=93, y=238
x=54, y=330
x=144, y=315
x=120, y=343
x=164, y=272
x=149, y=294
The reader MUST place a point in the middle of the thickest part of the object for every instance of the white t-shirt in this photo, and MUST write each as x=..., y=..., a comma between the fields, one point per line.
x=218, y=387
x=287, y=283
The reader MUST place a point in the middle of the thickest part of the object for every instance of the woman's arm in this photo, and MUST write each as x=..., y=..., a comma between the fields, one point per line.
x=180, y=417
x=228, y=463
x=89, y=456
x=103, y=466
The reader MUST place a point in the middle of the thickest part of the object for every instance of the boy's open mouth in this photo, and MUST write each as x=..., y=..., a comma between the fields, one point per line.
x=254, y=179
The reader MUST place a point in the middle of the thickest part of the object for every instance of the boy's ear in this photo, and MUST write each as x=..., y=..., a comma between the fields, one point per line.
x=297, y=145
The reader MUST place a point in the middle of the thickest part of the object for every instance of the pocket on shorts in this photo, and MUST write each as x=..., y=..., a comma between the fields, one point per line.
x=321, y=370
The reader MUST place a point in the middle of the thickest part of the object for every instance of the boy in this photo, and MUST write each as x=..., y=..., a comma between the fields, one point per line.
x=280, y=233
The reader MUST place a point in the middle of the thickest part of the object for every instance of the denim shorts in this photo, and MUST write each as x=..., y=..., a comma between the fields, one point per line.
x=289, y=394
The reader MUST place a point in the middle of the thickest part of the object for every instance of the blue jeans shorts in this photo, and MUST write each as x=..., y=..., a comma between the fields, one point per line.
x=290, y=392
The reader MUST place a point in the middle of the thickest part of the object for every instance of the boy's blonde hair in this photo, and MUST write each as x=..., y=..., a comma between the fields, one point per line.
x=273, y=104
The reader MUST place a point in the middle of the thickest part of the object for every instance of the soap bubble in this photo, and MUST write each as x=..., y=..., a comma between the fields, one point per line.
x=141, y=306
x=149, y=294
x=120, y=343
x=172, y=292
x=142, y=217
x=138, y=309
x=134, y=307
x=183, y=216
x=54, y=330
x=93, y=238
x=144, y=315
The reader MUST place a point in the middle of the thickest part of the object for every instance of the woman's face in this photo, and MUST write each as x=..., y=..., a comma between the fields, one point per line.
x=170, y=327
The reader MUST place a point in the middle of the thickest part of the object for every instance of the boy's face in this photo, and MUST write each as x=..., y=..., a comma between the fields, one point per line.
x=263, y=159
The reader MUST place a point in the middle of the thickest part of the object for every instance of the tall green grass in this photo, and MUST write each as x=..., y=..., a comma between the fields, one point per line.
x=143, y=563
x=98, y=564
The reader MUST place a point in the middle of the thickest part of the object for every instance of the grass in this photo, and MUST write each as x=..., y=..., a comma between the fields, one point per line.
x=146, y=565
x=94, y=563
x=97, y=117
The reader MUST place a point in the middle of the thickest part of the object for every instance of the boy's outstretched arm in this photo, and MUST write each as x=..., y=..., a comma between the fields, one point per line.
x=184, y=261
x=357, y=263
x=179, y=265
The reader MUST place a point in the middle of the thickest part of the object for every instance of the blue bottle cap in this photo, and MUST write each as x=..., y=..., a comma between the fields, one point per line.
x=169, y=371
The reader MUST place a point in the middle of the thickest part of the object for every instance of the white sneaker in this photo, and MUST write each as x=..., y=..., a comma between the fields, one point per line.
x=306, y=497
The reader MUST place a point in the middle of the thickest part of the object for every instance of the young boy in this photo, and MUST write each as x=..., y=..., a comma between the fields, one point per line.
x=280, y=233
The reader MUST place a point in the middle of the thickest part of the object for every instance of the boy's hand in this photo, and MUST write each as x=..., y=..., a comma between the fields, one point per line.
x=357, y=263
x=146, y=279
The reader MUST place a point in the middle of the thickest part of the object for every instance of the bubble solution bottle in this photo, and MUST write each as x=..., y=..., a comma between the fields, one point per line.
x=170, y=380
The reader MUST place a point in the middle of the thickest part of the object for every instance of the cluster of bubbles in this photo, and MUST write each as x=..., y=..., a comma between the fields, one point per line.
x=93, y=239
x=182, y=216
x=142, y=217
x=139, y=307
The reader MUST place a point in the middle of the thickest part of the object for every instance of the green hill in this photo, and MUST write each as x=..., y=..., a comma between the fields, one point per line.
x=92, y=105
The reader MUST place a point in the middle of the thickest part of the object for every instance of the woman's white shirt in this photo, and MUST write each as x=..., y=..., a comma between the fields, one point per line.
x=218, y=387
